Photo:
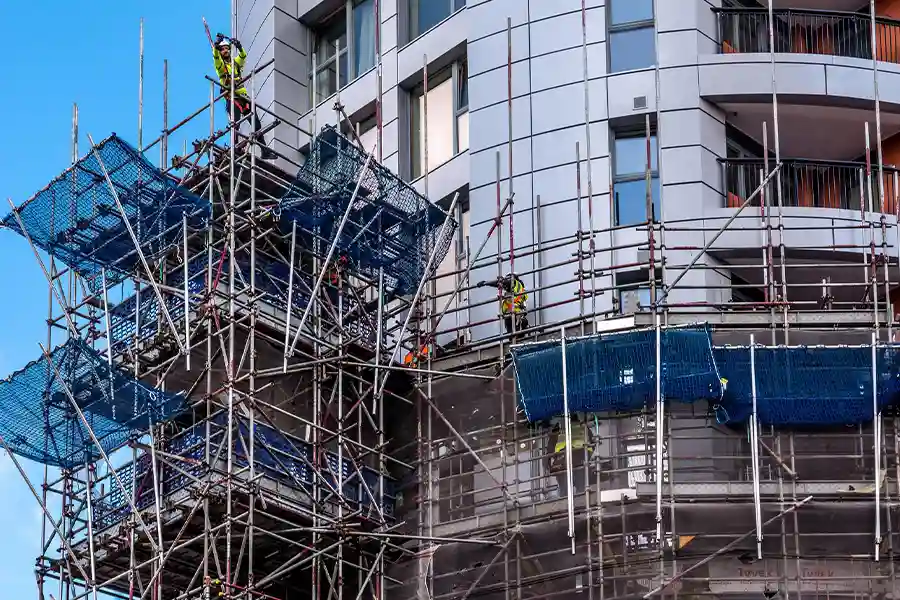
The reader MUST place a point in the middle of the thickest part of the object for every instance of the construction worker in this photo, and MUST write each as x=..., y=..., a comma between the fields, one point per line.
x=336, y=272
x=557, y=460
x=513, y=302
x=414, y=358
x=222, y=60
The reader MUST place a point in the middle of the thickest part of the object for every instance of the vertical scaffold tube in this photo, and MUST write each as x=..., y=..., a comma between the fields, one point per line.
x=89, y=492
x=779, y=194
x=876, y=430
x=290, y=301
x=140, y=131
x=570, y=492
x=660, y=417
x=187, y=300
x=754, y=449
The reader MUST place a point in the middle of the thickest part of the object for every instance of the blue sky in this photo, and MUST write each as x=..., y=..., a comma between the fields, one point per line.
x=57, y=53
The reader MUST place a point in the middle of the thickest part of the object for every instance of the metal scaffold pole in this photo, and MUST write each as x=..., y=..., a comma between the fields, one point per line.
x=754, y=450
x=570, y=491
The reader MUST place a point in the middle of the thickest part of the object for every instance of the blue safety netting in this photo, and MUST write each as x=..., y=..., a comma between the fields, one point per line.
x=272, y=283
x=125, y=329
x=390, y=224
x=76, y=219
x=807, y=386
x=277, y=456
x=616, y=372
x=37, y=418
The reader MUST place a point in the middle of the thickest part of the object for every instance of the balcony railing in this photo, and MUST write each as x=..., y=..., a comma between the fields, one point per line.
x=832, y=33
x=813, y=184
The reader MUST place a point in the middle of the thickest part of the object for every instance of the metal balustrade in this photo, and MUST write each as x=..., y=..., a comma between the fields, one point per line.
x=813, y=184
x=832, y=33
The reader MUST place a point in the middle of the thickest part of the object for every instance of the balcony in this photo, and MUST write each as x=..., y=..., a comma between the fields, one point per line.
x=813, y=184
x=830, y=33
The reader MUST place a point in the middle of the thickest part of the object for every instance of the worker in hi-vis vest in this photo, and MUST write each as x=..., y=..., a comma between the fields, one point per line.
x=581, y=449
x=513, y=301
x=414, y=359
x=242, y=106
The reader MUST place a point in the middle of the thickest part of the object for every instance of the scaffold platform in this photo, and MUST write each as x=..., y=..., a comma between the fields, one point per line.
x=278, y=457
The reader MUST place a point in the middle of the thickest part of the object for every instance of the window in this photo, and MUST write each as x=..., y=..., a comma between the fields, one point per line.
x=632, y=40
x=425, y=14
x=448, y=119
x=334, y=52
x=634, y=293
x=630, y=178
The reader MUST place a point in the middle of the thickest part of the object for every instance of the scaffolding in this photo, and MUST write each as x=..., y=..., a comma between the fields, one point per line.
x=240, y=423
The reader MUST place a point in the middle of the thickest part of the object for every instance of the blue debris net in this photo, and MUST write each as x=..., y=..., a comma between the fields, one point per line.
x=390, y=224
x=125, y=329
x=38, y=421
x=76, y=220
x=616, y=372
x=807, y=387
x=276, y=455
x=272, y=278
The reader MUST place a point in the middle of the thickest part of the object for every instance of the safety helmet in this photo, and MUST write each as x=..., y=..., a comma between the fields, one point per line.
x=224, y=43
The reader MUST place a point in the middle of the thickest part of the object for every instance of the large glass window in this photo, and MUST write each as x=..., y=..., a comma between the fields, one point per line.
x=630, y=178
x=632, y=40
x=335, y=52
x=447, y=122
x=425, y=14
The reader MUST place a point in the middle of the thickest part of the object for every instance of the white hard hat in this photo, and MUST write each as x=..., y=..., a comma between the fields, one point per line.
x=223, y=43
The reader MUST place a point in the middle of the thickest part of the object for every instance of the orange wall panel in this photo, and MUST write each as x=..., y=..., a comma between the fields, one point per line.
x=888, y=8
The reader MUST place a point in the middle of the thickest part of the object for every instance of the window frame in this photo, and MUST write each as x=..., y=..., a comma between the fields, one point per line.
x=413, y=20
x=612, y=29
x=457, y=74
x=630, y=134
x=349, y=49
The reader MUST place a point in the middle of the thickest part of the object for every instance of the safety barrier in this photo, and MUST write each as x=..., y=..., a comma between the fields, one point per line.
x=807, y=386
x=616, y=371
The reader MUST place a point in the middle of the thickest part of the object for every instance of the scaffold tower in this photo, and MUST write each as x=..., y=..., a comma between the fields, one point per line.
x=229, y=413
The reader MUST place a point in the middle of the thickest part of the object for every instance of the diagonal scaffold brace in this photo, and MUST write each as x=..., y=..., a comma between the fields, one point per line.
x=137, y=246
x=289, y=351
x=415, y=299
x=125, y=493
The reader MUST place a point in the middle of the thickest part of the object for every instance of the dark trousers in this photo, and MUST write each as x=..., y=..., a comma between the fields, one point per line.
x=242, y=108
x=520, y=319
x=558, y=468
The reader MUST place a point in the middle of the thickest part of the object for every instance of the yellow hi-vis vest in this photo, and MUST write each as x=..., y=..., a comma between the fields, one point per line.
x=223, y=70
x=514, y=302
x=578, y=441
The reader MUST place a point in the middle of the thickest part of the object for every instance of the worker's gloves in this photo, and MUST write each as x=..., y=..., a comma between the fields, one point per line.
x=220, y=37
x=237, y=44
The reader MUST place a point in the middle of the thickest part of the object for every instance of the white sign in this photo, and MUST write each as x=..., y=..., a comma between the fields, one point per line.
x=860, y=577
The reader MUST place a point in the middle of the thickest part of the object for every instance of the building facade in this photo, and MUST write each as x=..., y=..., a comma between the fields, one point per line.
x=629, y=141
x=547, y=88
